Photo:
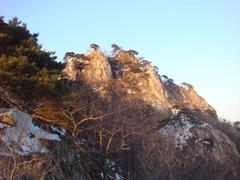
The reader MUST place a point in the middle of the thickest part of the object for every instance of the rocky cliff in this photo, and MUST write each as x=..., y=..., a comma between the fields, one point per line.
x=134, y=80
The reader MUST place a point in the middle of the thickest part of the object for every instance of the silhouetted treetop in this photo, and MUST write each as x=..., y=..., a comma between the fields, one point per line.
x=115, y=48
x=94, y=46
x=68, y=54
x=188, y=85
x=133, y=52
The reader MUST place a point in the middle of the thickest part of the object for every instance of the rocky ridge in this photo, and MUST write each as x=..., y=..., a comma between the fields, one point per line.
x=134, y=79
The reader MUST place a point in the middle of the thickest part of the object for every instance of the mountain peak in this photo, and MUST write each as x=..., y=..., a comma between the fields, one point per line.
x=134, y=79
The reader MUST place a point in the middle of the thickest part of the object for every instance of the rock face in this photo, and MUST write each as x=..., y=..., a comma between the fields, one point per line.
x=124, y=57
x=140, y=82
x=193, y=100
x=202, y=145
x=93, y=68
x=97, y=72
x=134, y=80
x=185, y=96
x=191, y=133
x=72, y=69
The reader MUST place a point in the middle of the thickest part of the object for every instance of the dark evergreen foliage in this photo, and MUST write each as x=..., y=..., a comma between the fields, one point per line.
x=24, y=67
x=94, y=46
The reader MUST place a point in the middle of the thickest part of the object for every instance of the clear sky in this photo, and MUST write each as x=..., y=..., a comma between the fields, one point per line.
x=195, y=41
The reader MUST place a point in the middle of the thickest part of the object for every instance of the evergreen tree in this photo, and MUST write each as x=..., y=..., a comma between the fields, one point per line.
x=94, y=46
x=24, y=67
x=115, y=48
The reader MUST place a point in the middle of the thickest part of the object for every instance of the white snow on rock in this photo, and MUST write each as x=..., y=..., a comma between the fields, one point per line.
x=180, y=131
x=175, y=111
x=23, y=138
x=59, y=130
x=112, y=165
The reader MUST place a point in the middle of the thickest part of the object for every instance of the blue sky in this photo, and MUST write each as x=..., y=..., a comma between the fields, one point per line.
x=195, y=41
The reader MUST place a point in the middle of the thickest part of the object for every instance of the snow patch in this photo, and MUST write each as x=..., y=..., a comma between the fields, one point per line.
x=113, y=166
x=24, y=138
x=180, y=131
x=59, y=130
x=205, y=125
x=206, y=142
x=175, y=111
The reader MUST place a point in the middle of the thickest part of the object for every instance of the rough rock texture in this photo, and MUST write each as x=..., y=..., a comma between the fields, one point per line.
x=133, y=80
x=72, y=70
x=93, y=68
x=124, y=57
x=201, y=142
x=186, y=126
x=140, y=82
x=193, y=100
x=7, y=119
x=185, y=96
x=97, y=72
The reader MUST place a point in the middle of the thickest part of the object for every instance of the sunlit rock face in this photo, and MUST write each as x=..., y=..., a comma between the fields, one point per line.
x=184, y=96
x=72, y=70
x=93, y=68
x=134, y=80
x=97, y=72
x=139, y=82
x=194, y=101
x=125, y=57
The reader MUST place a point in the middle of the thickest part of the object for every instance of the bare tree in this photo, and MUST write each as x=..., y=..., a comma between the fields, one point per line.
x=100, y=132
